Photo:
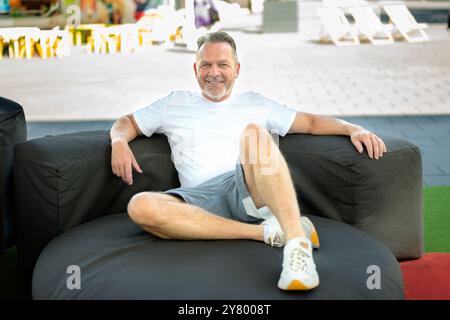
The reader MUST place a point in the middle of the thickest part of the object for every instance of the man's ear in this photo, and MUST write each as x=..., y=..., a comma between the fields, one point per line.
x=195, y=69
x=238, y=68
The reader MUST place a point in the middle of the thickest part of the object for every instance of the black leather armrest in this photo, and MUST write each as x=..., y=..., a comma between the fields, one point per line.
x=66, y=180
x=13, y=130
x=382, y=197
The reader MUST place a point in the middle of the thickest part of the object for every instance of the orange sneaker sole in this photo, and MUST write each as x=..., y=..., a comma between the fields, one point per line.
x=315, y=240
x=297, y=285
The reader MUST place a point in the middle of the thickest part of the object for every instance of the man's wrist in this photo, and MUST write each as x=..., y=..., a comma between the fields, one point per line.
x=351, y=128
x=118, y=141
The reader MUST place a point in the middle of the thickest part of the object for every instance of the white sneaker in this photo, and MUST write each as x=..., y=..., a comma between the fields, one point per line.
x=299, y=271
x=274, y=236
x=310, y=232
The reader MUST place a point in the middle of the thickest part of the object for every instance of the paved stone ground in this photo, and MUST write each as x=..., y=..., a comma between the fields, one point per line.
x=397, y=79
x=372, y=84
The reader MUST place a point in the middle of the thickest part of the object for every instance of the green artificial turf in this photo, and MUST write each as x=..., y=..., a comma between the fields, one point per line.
x=436, y=202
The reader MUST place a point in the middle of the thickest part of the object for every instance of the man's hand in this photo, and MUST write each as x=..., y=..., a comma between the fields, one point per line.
x=123, y=161
x=374, y=145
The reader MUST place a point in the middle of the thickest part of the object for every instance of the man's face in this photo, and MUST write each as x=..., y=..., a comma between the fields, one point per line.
x=216, y=70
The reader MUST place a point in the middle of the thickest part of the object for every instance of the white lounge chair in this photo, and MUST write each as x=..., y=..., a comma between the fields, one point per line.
x=336, y=25
x=406, y=24
x=369, y=24
x=344, y=3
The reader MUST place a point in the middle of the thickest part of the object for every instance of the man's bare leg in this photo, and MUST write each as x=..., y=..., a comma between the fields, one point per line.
x=169, y=217
x=268, y=179
x=269, y=183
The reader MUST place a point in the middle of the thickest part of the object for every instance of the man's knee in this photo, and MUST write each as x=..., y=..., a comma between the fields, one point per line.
x=257, y=146
x=145, y=209
x=253, y=131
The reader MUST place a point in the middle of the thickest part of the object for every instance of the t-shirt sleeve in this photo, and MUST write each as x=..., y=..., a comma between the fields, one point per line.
x=150, y=119
x=279, y=117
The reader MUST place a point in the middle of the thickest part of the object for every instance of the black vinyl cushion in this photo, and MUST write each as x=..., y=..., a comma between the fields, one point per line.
x=120, y=261
x=13, y=130
x=63, y=181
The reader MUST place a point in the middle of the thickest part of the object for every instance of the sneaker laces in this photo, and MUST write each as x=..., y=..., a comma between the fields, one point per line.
x=275, y=239
x=273, y=235
x=298, y=260
x=297, y=257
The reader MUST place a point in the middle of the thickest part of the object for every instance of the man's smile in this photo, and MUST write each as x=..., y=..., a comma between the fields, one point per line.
x=214, y=82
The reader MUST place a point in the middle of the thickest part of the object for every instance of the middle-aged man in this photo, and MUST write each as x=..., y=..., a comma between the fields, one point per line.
x=235, y=183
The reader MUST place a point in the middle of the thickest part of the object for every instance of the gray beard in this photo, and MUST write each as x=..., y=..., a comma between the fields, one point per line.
x=216, y=96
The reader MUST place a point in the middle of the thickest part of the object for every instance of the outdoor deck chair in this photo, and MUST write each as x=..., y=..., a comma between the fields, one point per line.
x=406, y=24
x=369, y=24
x=344, y=3
x=336, y=25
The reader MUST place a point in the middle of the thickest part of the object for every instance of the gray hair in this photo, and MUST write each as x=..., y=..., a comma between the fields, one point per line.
x=216, y=37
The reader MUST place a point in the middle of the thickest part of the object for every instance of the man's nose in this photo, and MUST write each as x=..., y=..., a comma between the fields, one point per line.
x=215, y=70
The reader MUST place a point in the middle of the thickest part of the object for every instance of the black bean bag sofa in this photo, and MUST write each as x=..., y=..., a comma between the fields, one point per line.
x=71, y=211
x=13, y=130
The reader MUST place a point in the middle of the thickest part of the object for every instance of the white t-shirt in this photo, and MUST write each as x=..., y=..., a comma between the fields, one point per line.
x=203, y=135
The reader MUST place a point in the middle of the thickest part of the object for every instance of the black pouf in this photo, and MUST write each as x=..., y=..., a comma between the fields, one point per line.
x=118, y=260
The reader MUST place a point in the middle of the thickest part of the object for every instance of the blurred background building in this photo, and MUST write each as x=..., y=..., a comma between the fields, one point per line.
x=47, y=14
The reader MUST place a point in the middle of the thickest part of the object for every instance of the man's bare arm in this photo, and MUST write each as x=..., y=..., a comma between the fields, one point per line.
x=324, y=125
x=123, y=161
x=125, y=129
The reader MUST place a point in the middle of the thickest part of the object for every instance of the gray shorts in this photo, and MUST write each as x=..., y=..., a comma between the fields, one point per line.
x=225, y=195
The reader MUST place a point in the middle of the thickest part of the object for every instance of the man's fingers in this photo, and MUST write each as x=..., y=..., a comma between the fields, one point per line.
x=368, y=144
x=376, y=148
x=381, y=146
x=358, y=145
x=128, y=174
x=121, y=172
x=124, y=172
x=136, y=165
x=374, y=145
